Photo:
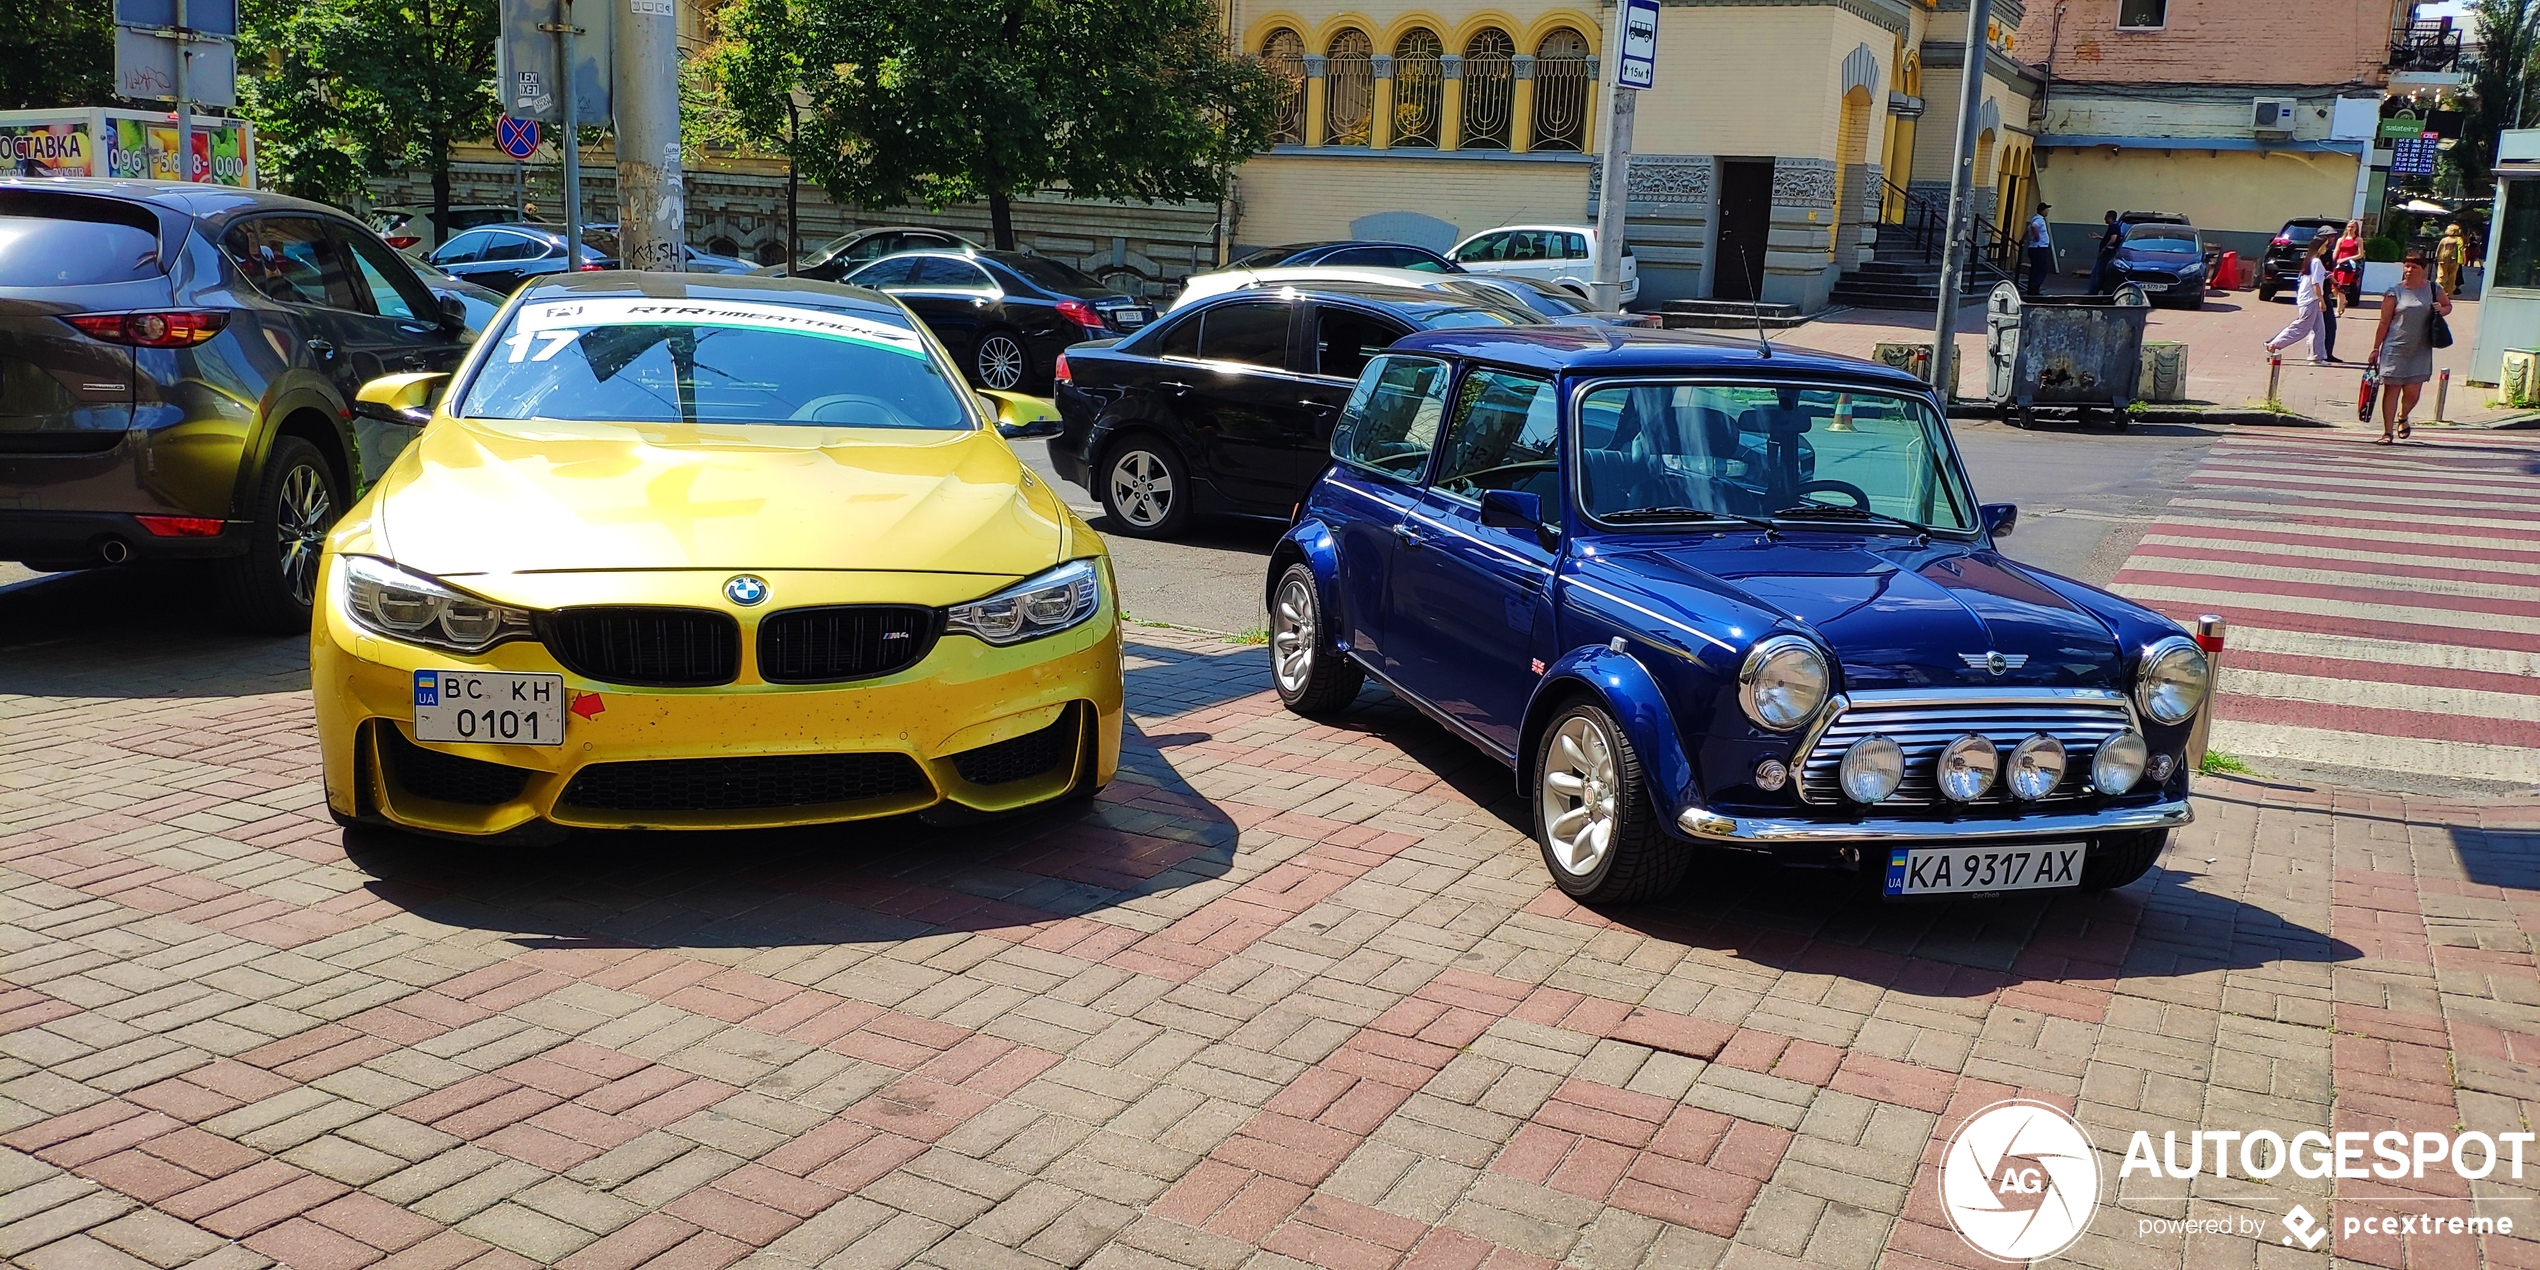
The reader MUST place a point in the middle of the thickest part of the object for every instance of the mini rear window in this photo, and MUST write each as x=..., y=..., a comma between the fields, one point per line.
x=61, y=240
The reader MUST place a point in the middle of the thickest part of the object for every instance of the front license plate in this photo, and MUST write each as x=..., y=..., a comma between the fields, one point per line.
x=2036, y=866
x=489, y=707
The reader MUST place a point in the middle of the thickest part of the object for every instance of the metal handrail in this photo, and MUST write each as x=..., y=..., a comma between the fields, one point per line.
x=2426, y=46
x=1920, y=221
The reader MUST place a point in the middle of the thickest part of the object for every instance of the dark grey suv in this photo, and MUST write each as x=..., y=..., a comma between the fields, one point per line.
x=178, y=366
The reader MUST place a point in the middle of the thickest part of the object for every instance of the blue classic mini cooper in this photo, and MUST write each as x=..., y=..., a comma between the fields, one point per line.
x=1701, y=592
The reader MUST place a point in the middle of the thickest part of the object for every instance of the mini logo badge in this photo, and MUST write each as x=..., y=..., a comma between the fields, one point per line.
x=745, y=589
x=1998, y=663
x=2020, y=1181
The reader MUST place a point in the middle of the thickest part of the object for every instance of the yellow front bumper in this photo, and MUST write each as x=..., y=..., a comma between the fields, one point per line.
x=963, y=695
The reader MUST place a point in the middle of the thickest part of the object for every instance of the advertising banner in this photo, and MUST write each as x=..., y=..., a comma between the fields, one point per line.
x=49, y=149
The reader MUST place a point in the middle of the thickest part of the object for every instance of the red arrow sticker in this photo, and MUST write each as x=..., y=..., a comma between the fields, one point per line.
x=587, y=704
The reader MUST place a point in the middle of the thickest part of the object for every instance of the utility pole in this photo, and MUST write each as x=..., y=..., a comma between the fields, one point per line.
x=570, y=129
x=184, y=112
x=1635, y=67
x=652, y=215
x=1958, y=247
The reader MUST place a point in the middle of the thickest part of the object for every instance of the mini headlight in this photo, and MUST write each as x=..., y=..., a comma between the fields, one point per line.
x=2037, y=767
x=2119, y=763
x=1044, y=605
x=2173, y=680
x=1872, y=769
x=1966, y=767
x=1782, y=683
x=413, y=608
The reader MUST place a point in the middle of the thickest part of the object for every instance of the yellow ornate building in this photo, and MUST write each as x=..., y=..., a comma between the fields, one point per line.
x=1778, y=137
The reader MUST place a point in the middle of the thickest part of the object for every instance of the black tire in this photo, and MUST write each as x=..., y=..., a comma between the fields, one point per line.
x=2266, y=295
x=272, y=587
x=2122, y=858
x=1639, y=861
x=1313, y=676
x=1144, y=486
x=1001, y=360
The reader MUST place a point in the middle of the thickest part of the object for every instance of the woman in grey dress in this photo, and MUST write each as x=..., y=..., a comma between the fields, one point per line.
x=2403, y=345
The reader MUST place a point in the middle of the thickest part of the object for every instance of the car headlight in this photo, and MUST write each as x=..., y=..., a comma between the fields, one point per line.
x=408, y=606
x=1044, y=605
x=2173, y=680
x=1782, y=683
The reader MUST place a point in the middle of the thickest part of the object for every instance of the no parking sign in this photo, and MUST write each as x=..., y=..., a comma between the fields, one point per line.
x=516, y=137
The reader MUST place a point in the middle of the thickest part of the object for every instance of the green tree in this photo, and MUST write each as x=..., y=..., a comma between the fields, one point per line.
x=2508, y=40
x=923, y=101
x=58, y=53
x=348, y=89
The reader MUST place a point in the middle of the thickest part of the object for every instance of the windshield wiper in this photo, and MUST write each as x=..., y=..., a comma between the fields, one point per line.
x=1828, y=511
x=1682, y=513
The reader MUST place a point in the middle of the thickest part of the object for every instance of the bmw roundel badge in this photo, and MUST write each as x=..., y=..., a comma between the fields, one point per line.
x=745, y=589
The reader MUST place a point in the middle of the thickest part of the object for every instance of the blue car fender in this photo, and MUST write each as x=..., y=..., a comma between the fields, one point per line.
x=1310, y=543
x=1628, y=692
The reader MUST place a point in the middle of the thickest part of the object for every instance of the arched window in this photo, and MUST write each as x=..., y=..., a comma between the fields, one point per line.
x=1349, y=86
x=1563, y=71
x=1489, y=89
x=1419, y=87
x=1283, y=54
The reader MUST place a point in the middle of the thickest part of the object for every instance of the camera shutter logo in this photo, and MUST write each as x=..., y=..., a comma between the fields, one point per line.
x=2020, y=1181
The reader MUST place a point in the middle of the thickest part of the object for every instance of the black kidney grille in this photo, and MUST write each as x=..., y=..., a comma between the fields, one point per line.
x=1018, y=758
x=743, y=784
x=652, y=647
x=447, y=777
x=847, y=641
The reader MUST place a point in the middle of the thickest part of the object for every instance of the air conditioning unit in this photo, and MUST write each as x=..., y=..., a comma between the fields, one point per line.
x=2273, y=115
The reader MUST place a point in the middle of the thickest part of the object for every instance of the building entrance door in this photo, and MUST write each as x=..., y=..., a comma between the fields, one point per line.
x=1746, y=226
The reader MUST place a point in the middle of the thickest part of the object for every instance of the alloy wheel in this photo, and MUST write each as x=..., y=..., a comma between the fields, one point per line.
x=1292, y=644
x=1578, y=796
x=304, y=512
x=1141, y=488
x=1000, y=362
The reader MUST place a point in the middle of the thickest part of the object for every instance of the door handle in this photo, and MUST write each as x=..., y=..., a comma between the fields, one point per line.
x=1174, y=384
x=322, y=348
x=1323, y=407
x=1409, y=538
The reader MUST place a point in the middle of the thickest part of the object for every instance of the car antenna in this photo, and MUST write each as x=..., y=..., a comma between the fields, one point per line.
x=1755, y=300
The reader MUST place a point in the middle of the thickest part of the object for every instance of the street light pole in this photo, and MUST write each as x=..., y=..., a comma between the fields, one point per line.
x=1958, y=244
x=793, y=211
x=652, y=229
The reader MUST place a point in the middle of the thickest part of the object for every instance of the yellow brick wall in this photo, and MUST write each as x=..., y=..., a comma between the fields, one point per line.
x=1764, y=81
x=1298, y=198
x=2239, y=194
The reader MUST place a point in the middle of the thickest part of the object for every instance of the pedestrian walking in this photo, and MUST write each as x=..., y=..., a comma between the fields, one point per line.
x=2349, y=263
x=2450, y=253
x=2403, y=345
x=2311, y=312
x=2103, y=270
x=2041, y=253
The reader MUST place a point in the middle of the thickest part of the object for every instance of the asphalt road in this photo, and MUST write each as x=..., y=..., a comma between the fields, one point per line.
x=2085, y=496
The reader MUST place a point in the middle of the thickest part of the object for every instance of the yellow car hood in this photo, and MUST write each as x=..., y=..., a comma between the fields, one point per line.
x=501, y=496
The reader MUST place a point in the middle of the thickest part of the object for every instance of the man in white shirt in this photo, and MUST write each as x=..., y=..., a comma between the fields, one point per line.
x=2041, y=253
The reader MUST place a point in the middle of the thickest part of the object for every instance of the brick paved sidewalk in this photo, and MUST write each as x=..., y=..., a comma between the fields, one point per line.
x=1288, y=995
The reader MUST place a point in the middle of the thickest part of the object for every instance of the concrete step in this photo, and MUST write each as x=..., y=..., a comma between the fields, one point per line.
x=1743, y=319
x=1743, y=311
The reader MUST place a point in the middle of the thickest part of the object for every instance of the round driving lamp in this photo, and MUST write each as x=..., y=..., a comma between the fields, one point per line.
x=1771, y=774
x=2173, y=681
x=2119, y=764
x=2037, y=767
x=1782, y=682
x=1871, y=769
x=1966, y=768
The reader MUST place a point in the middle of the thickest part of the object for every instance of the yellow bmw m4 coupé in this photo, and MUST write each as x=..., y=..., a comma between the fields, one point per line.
x=705, y=551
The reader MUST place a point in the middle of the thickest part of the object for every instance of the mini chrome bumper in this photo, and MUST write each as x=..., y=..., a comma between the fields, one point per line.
x=1701, y=822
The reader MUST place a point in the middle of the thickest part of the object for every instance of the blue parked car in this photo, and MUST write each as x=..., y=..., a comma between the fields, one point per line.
x=1694, y=594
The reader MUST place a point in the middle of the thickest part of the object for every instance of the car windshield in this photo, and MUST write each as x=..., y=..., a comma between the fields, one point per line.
x=2161, y=238
x=1053, y=275
x=2295, y=235
x=1548, y=301
x=1449, y=319
x=1660, y=452
x=635, y=359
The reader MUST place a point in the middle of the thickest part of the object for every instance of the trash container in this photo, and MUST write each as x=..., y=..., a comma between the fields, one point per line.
x=2067, y=350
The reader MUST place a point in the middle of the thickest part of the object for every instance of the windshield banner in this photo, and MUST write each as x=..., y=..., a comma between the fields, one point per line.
x=559, y=315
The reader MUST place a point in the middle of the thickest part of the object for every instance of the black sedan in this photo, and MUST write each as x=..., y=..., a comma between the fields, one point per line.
x=1227, y=405
x=1004, y=315
x=1379, y=255
x=2167, y=261
x=832, y=260
x=501, y=257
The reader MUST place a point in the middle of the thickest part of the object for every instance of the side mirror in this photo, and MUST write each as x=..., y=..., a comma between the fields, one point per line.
x=2000, y=518
x=400, y=399
x=1520, y=512
x=1019, y=417
x=453, y=312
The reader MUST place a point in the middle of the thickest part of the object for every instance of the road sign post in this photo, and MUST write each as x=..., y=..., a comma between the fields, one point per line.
x=156, y=44
x=1635, y=68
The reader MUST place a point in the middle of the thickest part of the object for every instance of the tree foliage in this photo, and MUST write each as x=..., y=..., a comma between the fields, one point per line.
x=58, y=53
x=2508, y=40
x=349, y=89
x=934, y=103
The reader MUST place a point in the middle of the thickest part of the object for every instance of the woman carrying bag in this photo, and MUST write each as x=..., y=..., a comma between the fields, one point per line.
x=2312, y=314
x=2412, y=327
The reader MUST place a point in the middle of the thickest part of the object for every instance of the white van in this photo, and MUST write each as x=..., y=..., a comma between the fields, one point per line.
x=1563, y=254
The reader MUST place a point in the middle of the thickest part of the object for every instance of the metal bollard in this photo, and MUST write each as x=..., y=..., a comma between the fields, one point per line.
x=2442, y=389
x=2275, y=376
x=2210, y=630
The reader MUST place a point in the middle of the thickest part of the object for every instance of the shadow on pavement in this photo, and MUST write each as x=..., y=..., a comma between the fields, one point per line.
x=137, y=632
